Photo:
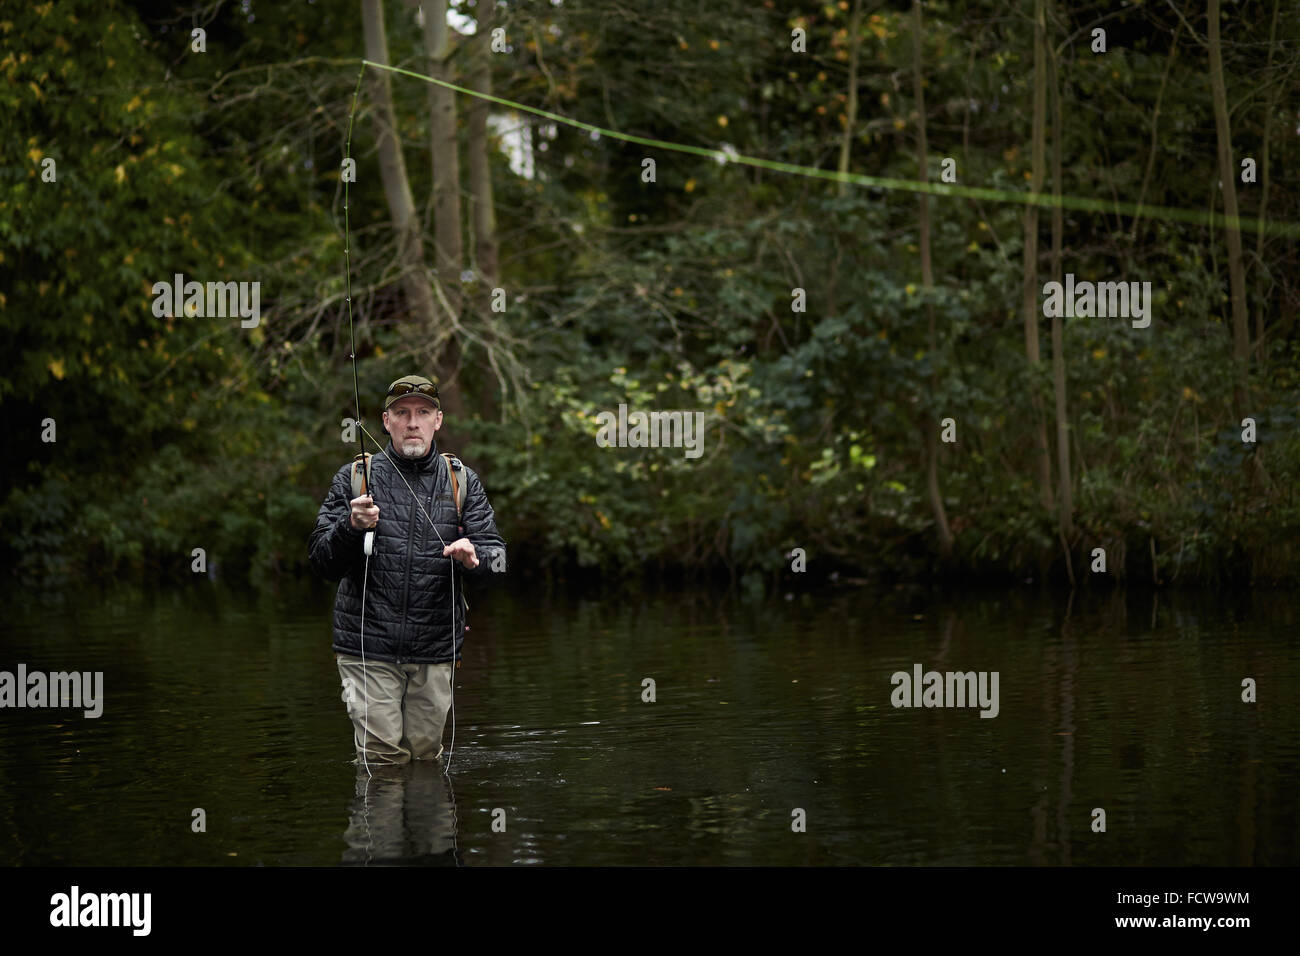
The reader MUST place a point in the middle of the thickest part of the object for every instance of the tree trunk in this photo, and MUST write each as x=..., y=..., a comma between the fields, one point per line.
x=401, y=207
x=851, y=109
x=1270, y=107
x=1228, y=177
x=483, y=217
x=392, y=170
x=1065, y=500
x=927, y=283
x=448, y=254
x=1039, y=424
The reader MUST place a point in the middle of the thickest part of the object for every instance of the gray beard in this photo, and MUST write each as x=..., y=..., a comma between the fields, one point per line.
x=419, y=448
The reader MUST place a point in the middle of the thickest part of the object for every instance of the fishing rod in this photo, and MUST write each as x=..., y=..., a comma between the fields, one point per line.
x=362, y=460
x=361, y=474
x=360, y=464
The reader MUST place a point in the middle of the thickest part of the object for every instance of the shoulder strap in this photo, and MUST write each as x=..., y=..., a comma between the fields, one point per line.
x=457, y=492
x=457, y=489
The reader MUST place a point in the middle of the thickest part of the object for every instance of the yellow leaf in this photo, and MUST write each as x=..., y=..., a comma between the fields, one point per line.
x=3, y=300
x=119, y=173
x=37, y=90
x=35, y=154
x=56, y=368
x=132, y=106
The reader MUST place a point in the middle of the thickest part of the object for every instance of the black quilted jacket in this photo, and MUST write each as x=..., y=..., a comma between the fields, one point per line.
x=408, y=609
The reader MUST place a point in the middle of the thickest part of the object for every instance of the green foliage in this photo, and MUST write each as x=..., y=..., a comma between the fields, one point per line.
x=177, y=432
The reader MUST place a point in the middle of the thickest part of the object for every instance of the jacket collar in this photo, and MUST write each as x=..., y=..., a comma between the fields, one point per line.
x=414, y=466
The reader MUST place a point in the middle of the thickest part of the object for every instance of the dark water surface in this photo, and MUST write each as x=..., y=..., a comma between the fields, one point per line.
x=230, y=701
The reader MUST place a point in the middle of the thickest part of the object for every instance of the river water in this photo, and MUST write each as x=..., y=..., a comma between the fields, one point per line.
x=772, y=738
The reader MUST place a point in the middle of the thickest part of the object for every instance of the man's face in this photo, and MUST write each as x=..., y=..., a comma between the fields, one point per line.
x=412, y=423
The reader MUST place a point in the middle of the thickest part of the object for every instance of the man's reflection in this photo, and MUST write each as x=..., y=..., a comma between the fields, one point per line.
x=403, y=815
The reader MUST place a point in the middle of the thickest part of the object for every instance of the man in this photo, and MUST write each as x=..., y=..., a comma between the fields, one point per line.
x=396, y=629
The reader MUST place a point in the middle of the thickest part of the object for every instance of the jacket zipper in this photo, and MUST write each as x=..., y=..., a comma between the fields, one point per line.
x=410, y=541
x=406, y=579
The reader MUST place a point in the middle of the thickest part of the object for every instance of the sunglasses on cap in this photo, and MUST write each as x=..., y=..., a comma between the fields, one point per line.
x=426, y=389
x=406, y=388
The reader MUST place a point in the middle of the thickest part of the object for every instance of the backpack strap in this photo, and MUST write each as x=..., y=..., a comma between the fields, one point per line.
x=457, y=488
x=457, y=492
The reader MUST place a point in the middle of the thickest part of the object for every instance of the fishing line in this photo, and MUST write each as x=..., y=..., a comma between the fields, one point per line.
x=416, y=498
x=365, y=466
x=882, y=182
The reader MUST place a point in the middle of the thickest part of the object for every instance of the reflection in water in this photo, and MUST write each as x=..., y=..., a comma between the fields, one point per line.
x=1108, y=699
x=402, y=815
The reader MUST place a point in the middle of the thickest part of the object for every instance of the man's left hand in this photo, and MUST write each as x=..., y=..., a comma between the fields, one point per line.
x=462, y=549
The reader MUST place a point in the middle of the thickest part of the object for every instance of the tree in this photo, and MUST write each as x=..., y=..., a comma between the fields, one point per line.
x=401, y=207
x=929, y=426
x=1232, y=231
x=1065, y=496
x=1030, y=287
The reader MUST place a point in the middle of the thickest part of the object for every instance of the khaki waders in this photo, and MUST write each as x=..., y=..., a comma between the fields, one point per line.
x=398, y=711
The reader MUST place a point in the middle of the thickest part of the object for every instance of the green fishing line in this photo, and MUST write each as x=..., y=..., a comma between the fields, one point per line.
x=883, y=182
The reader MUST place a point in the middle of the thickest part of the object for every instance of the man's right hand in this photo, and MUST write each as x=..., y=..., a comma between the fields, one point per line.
x=365, y=513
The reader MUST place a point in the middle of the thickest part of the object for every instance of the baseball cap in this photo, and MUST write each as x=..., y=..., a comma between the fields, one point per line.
x=416, y=385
